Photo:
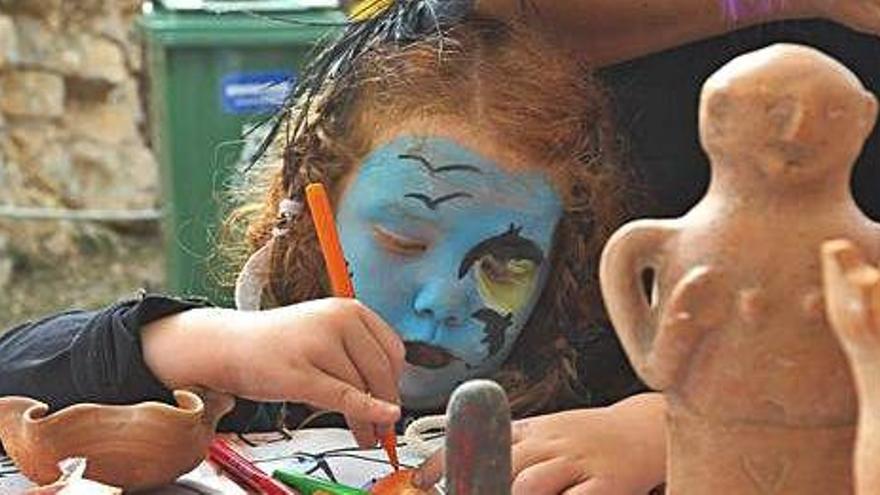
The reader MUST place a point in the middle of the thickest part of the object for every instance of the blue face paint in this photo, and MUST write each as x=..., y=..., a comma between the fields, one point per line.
x=452, y=251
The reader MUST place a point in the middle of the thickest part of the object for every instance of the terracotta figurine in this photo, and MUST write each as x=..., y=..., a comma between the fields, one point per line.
x=722, y=308
x=133, y=447
x=852, y=301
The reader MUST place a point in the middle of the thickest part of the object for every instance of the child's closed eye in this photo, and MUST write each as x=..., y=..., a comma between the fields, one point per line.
x=397, y=243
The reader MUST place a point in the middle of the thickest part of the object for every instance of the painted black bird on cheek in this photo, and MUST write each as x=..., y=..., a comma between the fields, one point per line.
x=496, y=328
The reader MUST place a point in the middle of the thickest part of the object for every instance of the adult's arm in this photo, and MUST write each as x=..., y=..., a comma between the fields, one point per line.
x=611, y=31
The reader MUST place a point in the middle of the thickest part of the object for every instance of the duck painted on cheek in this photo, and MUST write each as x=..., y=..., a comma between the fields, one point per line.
x=451, y=249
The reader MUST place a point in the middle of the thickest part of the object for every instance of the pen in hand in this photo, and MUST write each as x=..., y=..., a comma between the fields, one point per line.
x=337, y=270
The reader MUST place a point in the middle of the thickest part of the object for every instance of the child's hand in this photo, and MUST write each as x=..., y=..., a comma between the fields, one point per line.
x=617, y=450
x=335, y=354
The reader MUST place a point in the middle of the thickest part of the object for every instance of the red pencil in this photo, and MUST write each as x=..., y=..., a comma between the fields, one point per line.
x=244, y=471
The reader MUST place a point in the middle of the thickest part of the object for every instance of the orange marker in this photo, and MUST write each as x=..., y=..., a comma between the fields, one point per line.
x=337, y=270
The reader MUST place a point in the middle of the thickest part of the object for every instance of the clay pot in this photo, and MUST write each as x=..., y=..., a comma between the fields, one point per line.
x=133, y=447
x=852, y=298
x=732, y=326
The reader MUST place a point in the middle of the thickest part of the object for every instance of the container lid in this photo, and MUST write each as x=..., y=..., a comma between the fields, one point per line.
x=223, y=6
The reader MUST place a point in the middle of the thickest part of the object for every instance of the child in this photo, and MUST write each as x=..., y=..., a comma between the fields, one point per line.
x=476, y=177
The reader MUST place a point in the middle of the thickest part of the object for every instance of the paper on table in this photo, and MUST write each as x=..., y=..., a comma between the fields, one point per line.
x=11, y=481
x=327, y=453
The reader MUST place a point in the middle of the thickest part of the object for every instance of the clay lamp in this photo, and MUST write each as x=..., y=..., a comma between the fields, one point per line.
x=134, y=447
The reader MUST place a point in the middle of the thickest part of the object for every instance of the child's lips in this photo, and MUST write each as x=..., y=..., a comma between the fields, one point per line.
x=427, y=355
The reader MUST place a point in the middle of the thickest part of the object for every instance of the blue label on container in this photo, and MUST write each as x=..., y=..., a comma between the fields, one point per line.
x=246, y=93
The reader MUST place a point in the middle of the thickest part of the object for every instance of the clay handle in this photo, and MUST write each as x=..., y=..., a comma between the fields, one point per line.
x=214, y=405
x=635, y=248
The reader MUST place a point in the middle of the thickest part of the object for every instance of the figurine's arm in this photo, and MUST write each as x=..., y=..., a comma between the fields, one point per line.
x=697, y=304
x=658, y=335
x=610, y=31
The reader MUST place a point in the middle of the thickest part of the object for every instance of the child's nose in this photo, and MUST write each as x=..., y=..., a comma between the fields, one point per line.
x=446, y=302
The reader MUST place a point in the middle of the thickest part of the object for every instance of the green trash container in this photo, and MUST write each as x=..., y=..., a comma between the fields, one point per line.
x=216, y=68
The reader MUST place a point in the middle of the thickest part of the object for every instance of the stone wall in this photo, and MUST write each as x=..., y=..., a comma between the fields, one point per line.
x=71, y=114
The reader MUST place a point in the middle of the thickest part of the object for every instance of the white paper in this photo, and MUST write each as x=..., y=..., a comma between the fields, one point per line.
x=327, y=453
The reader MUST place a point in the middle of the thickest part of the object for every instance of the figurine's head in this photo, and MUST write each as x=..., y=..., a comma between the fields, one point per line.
x=475, y=178
x=787, y=112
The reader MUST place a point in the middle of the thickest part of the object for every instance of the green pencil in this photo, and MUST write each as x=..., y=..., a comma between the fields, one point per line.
x=308, y=485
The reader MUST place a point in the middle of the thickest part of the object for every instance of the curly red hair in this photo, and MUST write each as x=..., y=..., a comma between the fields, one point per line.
x=520, y=91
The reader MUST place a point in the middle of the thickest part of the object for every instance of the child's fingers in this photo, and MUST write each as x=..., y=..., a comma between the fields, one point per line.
x=525, y=454
x=430, y=472
x=327, y=392
x=371, y=364
x=548, y=477
x=598, y=486
x=364, y=432
x=520, y=430
x=387, y=338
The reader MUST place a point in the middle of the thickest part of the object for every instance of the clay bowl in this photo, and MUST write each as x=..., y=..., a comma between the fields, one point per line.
x=398, y=483
x=133, y=447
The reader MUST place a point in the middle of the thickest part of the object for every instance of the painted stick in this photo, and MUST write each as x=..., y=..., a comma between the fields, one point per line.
x=478, y=439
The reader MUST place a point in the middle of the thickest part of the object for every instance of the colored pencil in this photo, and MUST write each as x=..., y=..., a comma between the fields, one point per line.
x=337, y=270
x=243, y=471
x=308, y=485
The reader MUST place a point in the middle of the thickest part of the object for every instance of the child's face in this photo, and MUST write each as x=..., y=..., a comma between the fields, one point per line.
x=452, y=250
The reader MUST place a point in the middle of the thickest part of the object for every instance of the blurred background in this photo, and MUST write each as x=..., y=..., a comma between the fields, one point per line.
x=121, y=124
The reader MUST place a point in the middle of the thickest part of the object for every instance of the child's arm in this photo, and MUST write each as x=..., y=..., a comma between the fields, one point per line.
x=138, y=350
x=610, y=31
x=85, y=356
x=334, y=354
x=615, y=449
